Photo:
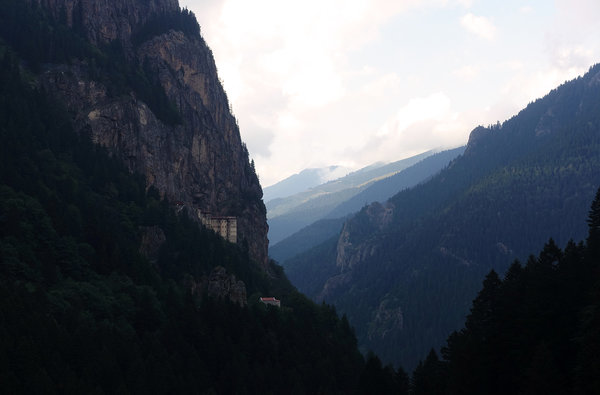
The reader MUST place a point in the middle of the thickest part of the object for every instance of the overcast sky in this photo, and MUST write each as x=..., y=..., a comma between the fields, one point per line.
x=315, y=83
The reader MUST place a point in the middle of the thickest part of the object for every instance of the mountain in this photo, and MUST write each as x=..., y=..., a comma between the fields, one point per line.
x=382, y=190
x=306, y=238
x=306, y=179
x=533, y=331
x=378, y=191
x=290, y=214
x=405, y=271
x=138, y=79
x=108, y=284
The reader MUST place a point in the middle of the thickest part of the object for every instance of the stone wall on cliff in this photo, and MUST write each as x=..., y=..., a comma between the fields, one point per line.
x=201, y=162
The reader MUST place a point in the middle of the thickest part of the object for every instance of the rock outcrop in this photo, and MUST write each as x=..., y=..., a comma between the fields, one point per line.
x=153, y=238
x=476, y=137
x=374, y=218
x=352, y=249
x=387, y=319
x=200, y=162
x=219, y=284
x=224, y=285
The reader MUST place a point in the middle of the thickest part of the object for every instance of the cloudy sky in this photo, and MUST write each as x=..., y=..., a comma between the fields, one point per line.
x=315, y=83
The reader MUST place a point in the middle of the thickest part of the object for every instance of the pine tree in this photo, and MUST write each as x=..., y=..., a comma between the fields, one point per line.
x=430, y=378
x=593, y=221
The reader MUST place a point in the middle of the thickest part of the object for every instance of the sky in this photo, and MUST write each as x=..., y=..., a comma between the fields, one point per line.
x=315, y=83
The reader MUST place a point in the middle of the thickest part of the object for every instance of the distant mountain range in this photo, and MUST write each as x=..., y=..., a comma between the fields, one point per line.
x=290, y=214
x=377, y=191
x=306, y=179
x=405, y=271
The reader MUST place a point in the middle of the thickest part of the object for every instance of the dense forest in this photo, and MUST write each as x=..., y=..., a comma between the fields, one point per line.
x=83, y=309
x=535, y=331
x=405, y=273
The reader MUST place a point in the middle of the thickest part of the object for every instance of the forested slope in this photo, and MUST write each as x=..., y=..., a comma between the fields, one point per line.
x=378, y=191
x=404, y=272
x=105, y=288
x=533, y=331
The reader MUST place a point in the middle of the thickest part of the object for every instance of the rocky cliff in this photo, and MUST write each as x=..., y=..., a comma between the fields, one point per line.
x=198, y=161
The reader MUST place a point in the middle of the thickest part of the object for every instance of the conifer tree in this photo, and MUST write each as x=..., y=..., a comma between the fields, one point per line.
x=593, y=221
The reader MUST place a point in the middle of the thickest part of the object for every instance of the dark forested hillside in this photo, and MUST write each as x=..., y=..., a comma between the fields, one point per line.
x=383, y=189
x=306, y=238
x=106, y=288
x=404, y=272
x=533, y=332
x=83, y=310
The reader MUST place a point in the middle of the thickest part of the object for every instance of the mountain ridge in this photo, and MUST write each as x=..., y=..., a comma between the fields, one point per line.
x=193, y=153
x=287, y=215
x=379, y=190
x=533, y=174
x=306, y=179
x=106, y=284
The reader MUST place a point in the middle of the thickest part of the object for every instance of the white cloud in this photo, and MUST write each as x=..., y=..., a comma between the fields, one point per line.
x=572, y=57
x=468, y=72
x=423, y=123
x=512, y=65
x=479, y=25
x=284, y=63
x=465, y=3
x=312, y=83
x=526, y=86
x=527, y=9
x=433, y=107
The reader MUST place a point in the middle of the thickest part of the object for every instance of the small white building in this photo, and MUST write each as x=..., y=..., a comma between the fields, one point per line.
x=272, y=301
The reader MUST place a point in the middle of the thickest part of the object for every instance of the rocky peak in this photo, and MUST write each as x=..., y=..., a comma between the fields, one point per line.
x=224, y=285
x=476, y=136
x=199, y=162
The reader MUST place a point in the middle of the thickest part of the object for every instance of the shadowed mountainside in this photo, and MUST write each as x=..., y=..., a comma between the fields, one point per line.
x=404, y=272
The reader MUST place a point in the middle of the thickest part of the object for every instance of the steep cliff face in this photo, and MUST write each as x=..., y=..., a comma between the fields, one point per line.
x=354, y=247
x=201, y=161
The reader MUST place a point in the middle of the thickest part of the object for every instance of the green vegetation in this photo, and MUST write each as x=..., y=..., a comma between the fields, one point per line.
x=346, y=195
x=535, y=331
x=515, y=186
x=83, y=311
x=183, y=21
x=40, y=39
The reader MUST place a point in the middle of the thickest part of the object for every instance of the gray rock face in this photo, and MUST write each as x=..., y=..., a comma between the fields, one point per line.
x=388, y=318
x=201, y=163
x=153, y=238
x=350, y=255
x=219, y=285
x=476, y=137
x=222, y=285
